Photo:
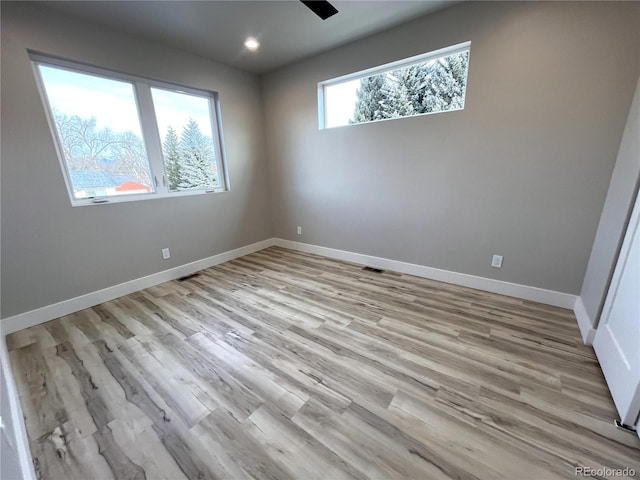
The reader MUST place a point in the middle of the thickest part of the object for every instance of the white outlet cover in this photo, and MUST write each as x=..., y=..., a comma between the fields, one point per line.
x=165, y=253
x=496, y=262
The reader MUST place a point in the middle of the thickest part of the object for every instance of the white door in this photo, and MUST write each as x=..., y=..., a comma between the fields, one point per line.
x=617, y=340
x=9, y=459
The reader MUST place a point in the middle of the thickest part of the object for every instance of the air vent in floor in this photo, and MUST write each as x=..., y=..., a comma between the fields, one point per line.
x=374, y=270
x=188, y=277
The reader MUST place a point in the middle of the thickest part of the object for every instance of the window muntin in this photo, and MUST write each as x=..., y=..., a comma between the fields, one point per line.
x=108, y=126
x=430, y=83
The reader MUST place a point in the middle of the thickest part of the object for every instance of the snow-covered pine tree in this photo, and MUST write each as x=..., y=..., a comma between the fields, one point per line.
x=446, y=82
x=433, y=86
x=414, y=79
x=397, y=97
x=172, y=158
x=370, y=99
x=197, y=158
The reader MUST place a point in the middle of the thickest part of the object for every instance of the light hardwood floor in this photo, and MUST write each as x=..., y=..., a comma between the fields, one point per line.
x=284, y=365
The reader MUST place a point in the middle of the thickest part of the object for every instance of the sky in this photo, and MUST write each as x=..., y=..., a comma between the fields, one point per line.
x=112, y=102
x=340, y=101
x=174, y=109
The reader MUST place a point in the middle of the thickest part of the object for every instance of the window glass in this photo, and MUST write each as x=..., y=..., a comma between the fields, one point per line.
x=99, y=133
x=121, y=137
x=435, y=83
x=188, y=147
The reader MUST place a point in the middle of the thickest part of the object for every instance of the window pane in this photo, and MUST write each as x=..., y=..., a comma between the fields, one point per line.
x=185, y=127
x=99, y=130
x=437, y=85
x=340, y=101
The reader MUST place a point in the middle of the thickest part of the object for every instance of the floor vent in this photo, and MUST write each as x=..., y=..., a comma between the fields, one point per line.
x=374, y=270
x=188, y=277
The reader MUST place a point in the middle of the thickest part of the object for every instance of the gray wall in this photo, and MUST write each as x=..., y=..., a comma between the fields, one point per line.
x=522, y=172
x=52, y=251
x=615, y=215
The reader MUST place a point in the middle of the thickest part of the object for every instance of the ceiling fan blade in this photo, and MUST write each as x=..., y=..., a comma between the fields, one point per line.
x=322, y=8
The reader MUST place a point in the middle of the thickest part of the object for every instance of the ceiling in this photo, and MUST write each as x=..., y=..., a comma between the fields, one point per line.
x=287, y=30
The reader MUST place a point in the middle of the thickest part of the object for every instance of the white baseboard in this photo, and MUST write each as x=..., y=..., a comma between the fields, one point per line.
x=66, y=307
x=549, y=297
x=584, y=322
x=17, y=418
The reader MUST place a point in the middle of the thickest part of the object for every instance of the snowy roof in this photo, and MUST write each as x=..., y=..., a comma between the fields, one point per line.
x=87, y=179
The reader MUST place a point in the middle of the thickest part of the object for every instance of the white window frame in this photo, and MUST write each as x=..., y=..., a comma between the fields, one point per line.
x=151, y=136
x=388, y=67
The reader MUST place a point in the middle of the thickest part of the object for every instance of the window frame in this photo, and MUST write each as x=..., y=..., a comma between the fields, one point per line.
x=149, y=129
x=385, y=68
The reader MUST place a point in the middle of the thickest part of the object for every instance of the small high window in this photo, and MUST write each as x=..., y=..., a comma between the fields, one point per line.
x=121, y=137
x=429, y=83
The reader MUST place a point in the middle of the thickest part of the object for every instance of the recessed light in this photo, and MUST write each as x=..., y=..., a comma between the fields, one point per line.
x=252, y=44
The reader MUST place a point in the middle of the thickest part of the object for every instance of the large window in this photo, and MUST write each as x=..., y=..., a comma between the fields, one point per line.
x=121, y=137
x=429, y=83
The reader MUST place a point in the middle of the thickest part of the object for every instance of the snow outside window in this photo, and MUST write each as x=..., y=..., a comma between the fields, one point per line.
x=429, y=83
x=122, y=138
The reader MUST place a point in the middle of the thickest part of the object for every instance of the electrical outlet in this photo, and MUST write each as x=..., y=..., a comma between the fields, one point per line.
x=496, y=262
x=299, y=230
x=165, y=253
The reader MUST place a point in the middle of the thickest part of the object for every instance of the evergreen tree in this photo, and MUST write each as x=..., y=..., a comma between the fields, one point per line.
x=370, y=99
x=172, y=158
x=414, y=79
x=396, y=103
x=446, y=82
x=197, y=158
x=428, y=87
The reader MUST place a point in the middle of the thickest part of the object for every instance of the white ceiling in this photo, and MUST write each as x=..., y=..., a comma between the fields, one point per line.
x=287, y=30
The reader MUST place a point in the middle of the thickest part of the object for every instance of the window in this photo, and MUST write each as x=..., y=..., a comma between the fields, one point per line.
x=184, y=124
x=429, y=83
x=121, y=137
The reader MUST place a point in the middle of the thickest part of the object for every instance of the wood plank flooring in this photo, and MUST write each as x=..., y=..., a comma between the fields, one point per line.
x=284, y=365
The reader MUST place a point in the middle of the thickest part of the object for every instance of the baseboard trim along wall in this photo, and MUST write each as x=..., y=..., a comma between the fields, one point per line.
x=17, y=417
x=584, y=322
x=549, y=297
x=66, y=307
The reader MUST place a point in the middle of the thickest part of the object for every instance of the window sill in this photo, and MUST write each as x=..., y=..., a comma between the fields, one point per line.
x=84, y=202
